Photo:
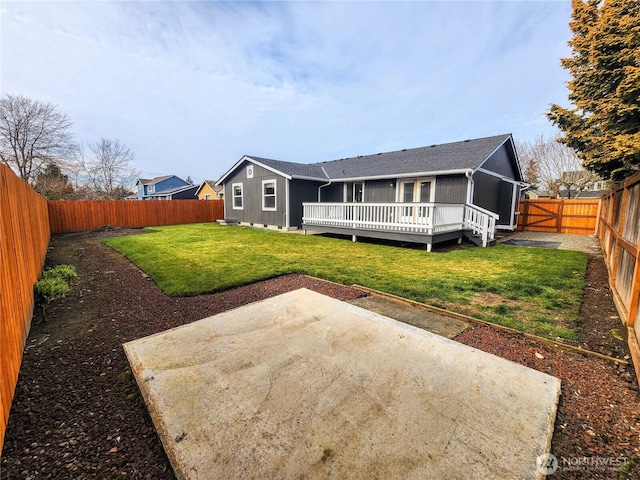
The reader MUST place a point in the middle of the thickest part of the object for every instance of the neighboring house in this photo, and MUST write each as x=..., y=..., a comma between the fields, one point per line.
x=425, y=195
x=177, y=193
x=574, y=184
x=162, y=187
x=208, y=190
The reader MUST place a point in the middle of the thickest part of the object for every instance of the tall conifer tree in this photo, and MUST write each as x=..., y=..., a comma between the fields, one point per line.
x=604, y=124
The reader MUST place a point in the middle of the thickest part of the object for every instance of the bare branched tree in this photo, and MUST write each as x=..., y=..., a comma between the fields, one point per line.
x=554, y=167
x=32, y=135
x=110, y=170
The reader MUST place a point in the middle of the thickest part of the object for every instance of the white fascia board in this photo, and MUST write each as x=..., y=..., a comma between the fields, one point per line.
x=502, y=177
x=246, y=158
x=200, y=188
x=228, y=172
x=515, y=152
x=492, y=152
x=433, y=173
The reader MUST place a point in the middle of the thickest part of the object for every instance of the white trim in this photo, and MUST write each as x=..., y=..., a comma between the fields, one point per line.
x=514, y=207
x=471, y=186
x=515, y=153
x=224, y=203
x=494, y=151
x=275, y=195
x=352, y=185
x=287, y=222
x=233, y=196
x=500, y=176
x=416, y=189
x=266, y=167
x=353, y=191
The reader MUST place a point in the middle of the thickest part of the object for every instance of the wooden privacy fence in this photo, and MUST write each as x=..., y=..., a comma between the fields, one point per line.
x=24, y=238
x=577, y=216
x=26, y=224
x=79, y=216
x=619, y=235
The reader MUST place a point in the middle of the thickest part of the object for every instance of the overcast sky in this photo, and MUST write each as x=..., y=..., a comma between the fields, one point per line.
x=192, y=86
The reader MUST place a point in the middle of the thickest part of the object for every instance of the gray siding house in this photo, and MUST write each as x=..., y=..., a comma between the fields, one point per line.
x=424, y=195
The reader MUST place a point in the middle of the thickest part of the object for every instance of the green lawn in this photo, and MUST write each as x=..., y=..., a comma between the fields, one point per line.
x=532, y=289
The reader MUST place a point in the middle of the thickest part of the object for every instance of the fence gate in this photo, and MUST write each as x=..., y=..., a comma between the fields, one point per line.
x=577, y=216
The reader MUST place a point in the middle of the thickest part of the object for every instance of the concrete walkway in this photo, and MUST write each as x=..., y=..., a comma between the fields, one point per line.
x=418, y=317
x=305, y=386
x=565, y=241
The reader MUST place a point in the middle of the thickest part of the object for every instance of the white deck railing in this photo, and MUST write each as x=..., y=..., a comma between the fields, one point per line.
x=419, y=218
x=481, y=222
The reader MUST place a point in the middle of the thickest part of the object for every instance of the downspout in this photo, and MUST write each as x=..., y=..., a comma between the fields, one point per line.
x=325, y=185
x=470, y=190
x=469, y=175
x=322, y=186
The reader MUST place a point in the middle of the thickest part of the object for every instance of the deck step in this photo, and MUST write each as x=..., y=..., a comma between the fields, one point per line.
x=227, y=221
x=477, y=239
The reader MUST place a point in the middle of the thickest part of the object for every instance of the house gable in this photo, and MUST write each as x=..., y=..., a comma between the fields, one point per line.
x=250, y=177
x=287, y=170
x=147, y=187
x=504, y=162
x=208, y=187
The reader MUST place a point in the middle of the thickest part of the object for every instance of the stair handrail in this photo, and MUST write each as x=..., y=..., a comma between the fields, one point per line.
x=482, y=221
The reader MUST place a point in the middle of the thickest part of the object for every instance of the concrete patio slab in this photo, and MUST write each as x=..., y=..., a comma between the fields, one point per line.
x=305, y=386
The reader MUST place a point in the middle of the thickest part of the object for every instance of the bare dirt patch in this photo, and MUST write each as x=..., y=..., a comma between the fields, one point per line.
x=77, y=412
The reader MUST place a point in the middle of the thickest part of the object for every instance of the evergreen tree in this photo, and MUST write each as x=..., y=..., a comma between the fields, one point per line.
x=604, y=124
x=52, y=184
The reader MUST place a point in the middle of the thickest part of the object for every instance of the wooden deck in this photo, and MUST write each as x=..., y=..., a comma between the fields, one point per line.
x=426, y=223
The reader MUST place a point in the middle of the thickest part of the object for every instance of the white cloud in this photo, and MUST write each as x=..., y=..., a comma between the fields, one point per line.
x=191, y=86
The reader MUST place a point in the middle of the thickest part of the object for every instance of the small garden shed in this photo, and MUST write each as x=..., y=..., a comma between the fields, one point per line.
x=425, y=194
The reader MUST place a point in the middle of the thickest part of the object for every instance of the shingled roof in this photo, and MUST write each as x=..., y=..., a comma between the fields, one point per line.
x=153, y=181
x=468, y=154
x=295, y=170
x=446, y=157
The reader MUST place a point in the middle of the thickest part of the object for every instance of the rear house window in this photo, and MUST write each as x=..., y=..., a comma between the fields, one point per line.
x=268, y=195
x=237, y=196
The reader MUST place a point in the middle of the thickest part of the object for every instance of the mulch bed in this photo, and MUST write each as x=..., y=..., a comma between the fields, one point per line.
x=77, y=412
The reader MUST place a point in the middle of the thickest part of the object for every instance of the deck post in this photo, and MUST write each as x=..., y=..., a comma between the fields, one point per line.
x=429, y=247
x=354, y=238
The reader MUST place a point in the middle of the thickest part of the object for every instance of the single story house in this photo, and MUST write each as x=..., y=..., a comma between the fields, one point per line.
x=425, y=195
x=164, y=187
x=208, y=190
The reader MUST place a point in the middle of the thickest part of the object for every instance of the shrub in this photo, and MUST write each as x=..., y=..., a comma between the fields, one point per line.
x=54, y=284
x=66, y=272
x=50, y=288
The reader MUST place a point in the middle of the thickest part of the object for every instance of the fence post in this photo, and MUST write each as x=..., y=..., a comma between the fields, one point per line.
x=559, y=217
